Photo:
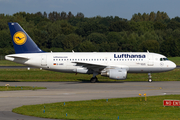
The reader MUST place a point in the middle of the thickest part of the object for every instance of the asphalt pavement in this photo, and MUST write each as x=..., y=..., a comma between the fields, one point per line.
x=76, y=91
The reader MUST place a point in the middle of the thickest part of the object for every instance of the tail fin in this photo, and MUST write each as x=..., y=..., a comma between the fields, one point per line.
x=21, y=40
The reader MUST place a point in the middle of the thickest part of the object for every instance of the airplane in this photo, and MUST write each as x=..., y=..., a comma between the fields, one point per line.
x=114, y=65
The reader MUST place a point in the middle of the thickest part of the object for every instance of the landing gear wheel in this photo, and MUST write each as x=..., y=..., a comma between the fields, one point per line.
x=94, y=79
x=149, y=77
x=150, y=80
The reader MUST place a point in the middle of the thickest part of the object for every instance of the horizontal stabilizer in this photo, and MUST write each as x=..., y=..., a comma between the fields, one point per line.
x=15, y=56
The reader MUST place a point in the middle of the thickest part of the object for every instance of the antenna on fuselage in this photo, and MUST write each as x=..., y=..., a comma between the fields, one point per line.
x=73, y=51
x=147, y=51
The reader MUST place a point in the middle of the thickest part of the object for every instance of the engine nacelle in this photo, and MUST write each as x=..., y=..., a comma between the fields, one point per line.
x=118, y=74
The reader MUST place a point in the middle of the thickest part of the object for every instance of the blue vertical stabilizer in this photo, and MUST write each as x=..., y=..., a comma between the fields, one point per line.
x=21, y=40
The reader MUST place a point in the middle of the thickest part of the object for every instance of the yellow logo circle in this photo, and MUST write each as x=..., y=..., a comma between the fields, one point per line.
x=19, y=38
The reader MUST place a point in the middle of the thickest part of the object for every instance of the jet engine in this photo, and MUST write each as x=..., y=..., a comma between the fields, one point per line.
x=117, y=73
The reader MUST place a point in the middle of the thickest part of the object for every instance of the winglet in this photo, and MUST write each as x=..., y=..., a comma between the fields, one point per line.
x=21, y=40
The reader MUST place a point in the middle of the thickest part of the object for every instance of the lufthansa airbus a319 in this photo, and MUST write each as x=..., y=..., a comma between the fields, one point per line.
x=115, y=65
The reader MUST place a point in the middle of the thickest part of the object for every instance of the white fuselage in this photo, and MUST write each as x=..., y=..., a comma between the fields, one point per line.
x=133, y=62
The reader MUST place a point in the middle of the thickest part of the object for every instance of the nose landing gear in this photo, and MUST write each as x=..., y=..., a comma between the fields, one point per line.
x=149, y=77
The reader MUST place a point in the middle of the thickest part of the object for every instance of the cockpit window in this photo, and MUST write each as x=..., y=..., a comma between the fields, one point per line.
x=163, y=59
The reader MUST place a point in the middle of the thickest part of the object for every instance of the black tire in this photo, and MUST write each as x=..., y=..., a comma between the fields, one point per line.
x=93, y=80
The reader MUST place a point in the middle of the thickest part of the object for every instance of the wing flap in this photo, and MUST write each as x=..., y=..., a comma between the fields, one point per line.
x=90, y=66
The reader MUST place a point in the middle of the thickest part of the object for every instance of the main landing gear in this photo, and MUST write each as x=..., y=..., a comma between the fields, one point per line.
x=94, y=78
x=149, y=77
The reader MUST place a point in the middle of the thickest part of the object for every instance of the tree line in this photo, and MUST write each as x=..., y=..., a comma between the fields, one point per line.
x=64, y=32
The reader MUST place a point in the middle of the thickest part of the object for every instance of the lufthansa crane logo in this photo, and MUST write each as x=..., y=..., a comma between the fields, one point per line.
x=19, y=38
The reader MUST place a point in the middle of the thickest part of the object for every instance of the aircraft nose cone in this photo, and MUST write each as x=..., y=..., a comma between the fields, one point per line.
x=173, y=65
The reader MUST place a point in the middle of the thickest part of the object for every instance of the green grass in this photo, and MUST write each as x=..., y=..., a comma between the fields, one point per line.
x=125, y=108
x=36, y=75
x=13, y=88
x=9, y=63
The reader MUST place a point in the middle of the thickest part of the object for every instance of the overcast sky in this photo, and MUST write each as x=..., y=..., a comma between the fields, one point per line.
x=92, y=8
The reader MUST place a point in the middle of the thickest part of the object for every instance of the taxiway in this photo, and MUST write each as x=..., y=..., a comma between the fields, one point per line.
x=75, y=91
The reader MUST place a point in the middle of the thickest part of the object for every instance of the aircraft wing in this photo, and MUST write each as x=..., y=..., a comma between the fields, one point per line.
x=100, y=67
x=90, y=66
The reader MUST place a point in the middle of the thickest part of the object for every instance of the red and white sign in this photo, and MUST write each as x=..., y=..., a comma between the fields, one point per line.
x=171, y=102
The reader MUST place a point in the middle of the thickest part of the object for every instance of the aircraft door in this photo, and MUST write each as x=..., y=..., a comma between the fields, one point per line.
x=43, y=60
x=150, y=60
